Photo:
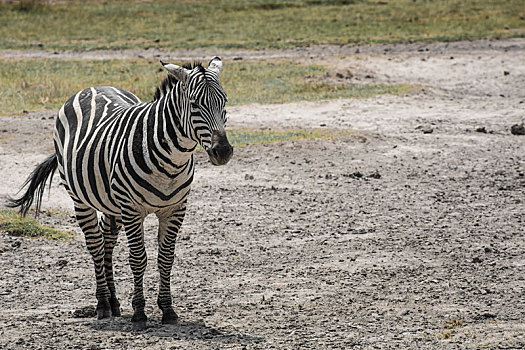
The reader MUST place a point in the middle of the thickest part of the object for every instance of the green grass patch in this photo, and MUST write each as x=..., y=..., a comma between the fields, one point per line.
x=15, y=225
x=285, y=81
x=33, y=85
x=243, y=137
x=251, y=24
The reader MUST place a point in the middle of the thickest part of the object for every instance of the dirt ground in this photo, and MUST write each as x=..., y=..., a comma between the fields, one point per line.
x=406, y=232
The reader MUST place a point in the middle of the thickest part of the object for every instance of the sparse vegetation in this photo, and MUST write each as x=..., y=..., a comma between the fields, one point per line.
x=46, y=84
x=449, y=329
x=251, y=137
x=250, y=24
x=14, y=224
x=452, y=323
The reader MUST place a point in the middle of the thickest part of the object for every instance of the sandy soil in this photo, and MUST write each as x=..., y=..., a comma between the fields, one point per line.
x=406, y=232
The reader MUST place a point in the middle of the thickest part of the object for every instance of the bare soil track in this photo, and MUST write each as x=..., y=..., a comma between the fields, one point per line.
x=407, y=232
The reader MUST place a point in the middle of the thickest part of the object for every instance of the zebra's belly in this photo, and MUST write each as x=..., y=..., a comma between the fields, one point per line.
x=88, y=187
x=160, y=193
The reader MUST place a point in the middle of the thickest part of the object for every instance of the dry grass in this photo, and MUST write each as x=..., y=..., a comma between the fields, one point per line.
x=31, y=85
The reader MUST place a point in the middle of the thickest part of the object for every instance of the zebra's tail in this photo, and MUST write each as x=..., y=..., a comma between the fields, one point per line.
x=37, y=183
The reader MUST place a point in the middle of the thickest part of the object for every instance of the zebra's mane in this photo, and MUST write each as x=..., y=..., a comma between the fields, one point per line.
x=169, y=82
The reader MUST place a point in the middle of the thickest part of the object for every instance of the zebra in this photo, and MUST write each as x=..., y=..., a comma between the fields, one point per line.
x=122, y=159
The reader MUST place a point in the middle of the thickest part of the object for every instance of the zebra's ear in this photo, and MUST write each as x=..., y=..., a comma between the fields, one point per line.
x=178, y=72
x=215, y=65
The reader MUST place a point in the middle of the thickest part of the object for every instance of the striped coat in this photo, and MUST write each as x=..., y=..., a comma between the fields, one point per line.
x=126, y=159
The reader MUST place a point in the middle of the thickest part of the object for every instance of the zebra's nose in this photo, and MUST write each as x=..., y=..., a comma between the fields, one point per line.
x=221, y=151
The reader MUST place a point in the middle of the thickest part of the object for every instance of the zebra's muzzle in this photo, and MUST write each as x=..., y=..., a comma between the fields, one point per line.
x=220, y=151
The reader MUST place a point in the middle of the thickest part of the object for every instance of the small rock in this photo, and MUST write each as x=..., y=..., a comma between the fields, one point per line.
x=248, y=177
x=404, y=313
x=375, y=175
x=85, y=312
x=62, y=263
x=354, y=175
x=427, y=130
x=485, y=316
x=215, y=251
x=477, y=260
x=16, y=244
x=237, y=58
x=481, y=129
x=358, y=231
x=506, y=72
x=517, y=129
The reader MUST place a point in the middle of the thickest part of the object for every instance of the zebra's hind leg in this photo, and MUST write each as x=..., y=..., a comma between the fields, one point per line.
x=110, y=227
x=168, y=228
x=133, y=225
x=88, y=221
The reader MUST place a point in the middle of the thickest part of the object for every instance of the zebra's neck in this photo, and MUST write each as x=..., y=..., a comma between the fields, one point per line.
x=171, y=129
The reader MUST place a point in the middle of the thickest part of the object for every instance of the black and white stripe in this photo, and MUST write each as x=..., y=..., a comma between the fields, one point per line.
x=127, y=159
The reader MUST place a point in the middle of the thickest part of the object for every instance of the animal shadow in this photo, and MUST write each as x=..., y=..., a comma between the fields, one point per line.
x=183, y=330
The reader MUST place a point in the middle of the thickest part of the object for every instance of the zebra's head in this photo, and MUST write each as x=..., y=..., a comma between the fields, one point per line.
x=206, y=125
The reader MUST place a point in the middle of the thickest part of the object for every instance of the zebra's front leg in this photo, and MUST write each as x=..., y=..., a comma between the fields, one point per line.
x=133, y=225
x=110, y=227
x=169, y=225
x=88, y=222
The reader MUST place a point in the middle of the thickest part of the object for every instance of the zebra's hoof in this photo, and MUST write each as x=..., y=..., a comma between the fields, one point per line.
x=115, y=311
x=138, y=321
x=103, y=313
x=138, y=325
x=115, y=307
x=169, y=317
x=103, y=309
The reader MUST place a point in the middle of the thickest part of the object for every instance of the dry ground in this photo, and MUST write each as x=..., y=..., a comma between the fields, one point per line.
x=407, y=232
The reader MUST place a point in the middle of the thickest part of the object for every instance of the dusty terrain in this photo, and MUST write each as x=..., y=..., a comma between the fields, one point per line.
x=406, y=232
